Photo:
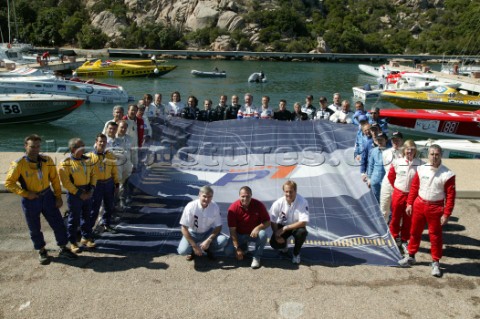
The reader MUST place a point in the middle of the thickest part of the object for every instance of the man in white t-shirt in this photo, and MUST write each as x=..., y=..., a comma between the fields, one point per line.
x=201, y=225
x=289, y=215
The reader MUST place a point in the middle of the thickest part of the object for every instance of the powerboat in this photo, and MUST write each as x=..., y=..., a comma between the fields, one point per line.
x=24, y=71
x=36, y=108
x=90, y=90
x=440, y=123
x=206, y=74
x=257, y=77
x=376, y=71
x=442, y=98
x=123, y=68
x=467, y=149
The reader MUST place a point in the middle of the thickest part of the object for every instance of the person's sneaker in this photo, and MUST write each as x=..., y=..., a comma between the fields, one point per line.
x=109, y=229
x=87, y=242
x=66, y=253
x=436, y=269
x=405, y=247
x=190, y=257
x=255, y=263
x=43, y=256
x=296, y=259
x=407, y=261
x=284, y=250
x=75, y=249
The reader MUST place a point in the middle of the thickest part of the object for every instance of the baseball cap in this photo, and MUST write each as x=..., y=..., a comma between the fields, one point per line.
x=374, y=125
x=397, y=134
x=362, y=118
x=382, y=135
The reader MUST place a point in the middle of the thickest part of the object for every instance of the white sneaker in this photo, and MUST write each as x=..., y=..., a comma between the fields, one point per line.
x=436, y=269
x=296, y=259
x=405, y=248
x=407, y=261
x=255, y=263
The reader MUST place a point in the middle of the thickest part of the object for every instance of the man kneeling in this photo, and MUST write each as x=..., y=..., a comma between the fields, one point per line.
x=201, y=225
x=289, y=215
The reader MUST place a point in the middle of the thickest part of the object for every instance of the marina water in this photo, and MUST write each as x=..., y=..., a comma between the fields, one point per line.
x=291, y=81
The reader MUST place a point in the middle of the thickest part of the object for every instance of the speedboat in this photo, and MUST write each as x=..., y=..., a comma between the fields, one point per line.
x=368, y=91
x=257, y=77
x=24, y=71
x=441, y=123
x=442, y=98
x=35, y=108
x=90, y=90
x=451, y=148
x=376, y=71
x=123, y=68
x=205, y=74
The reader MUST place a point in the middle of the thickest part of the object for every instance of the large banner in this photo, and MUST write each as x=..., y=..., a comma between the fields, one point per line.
x=345, y=228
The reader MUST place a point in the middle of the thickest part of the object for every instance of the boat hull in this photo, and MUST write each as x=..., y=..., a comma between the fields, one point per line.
x=439, y=123
x=203, y=74
x=35, y=108
x=441, y=98
x=92, y=92
x=121, y=69
x=467, y=149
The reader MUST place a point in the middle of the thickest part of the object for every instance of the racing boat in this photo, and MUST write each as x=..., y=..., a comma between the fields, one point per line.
x=442, y=97
x=205, y=74
x=35, y=108
x=123, y=68
x=441, y=123
x=90, y=90
x=451, y=148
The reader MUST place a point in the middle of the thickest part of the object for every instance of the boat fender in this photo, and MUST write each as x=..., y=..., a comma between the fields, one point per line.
x=89, y=90
x=156, y=71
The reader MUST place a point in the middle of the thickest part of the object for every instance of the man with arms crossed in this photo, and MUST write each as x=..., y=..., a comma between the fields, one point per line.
x=247, y=220
x=201, y=225
x=289, y=216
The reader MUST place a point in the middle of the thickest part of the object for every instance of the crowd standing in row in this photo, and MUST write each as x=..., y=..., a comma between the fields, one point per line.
x=399, y=181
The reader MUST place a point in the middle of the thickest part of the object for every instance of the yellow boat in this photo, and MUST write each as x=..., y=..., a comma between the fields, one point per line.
x=123, y=68
x=442, y=98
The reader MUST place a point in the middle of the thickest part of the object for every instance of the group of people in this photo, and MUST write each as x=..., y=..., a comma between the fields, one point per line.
x=338, y=111
x=248, y=220
x=409, y=192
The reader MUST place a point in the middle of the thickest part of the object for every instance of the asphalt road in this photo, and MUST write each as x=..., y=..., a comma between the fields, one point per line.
x=134, y=285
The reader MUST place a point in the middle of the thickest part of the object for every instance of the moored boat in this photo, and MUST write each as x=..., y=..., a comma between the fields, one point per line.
x=24, y=71
x=35, y=108
x=442, y=97
x=451, y=148
x=121, y=68
x=376, y=71
x=90, y=91
x=206, y=74
x=257, y=77
x=438, y=123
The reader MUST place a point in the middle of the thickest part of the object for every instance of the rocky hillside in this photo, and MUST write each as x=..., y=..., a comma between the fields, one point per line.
x=380, y=26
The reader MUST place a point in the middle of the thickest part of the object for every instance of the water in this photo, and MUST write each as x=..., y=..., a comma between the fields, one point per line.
x=291, y=81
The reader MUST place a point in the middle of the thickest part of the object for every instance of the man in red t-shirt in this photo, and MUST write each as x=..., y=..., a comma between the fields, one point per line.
x=247, y=220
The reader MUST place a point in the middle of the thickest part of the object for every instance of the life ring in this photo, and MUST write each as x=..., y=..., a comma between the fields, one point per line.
x=89, y=90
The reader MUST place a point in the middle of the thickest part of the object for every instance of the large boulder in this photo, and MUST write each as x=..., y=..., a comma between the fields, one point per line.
x=205, y=15
x=109, y=23
x=222, y=43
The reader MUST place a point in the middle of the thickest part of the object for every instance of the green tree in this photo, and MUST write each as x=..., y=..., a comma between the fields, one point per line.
x=91, y=38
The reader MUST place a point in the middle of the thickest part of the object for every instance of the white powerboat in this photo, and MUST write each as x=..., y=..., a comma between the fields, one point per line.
x=451, y=148
x=257, y=77
x=90, y=91
x=35, y=108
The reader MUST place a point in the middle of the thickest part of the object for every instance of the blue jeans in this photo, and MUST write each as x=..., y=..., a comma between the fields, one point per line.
x=244, y=239
x=184, y=248
x=45, y=205
x=79, y=214
x=104, y=192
